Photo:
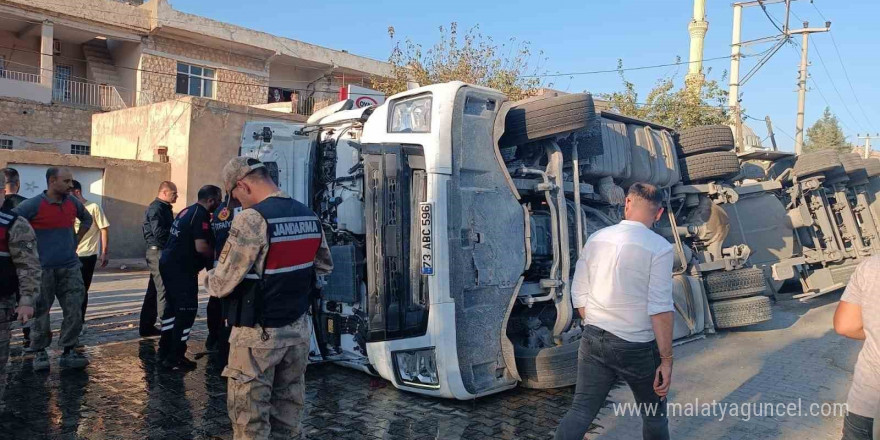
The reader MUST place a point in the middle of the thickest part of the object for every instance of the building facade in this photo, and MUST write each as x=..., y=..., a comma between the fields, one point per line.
x=63, y=61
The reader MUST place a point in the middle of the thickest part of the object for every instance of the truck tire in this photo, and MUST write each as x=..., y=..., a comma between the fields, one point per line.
x=854, y=166
x=872, y=166
x=548, y=367
x=718, y=165
x=741, y=312
x=538, y=119
x=740, y=283
x=816, y=162
x=705, y=139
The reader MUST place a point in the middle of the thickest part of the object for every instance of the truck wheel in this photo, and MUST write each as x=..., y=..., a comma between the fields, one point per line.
x=739, y=283
x=548, y=367
x=538, y=119
x=718, y=165
x=815, y=163
x=705, y=139
x=872, y=166
x=741, y=312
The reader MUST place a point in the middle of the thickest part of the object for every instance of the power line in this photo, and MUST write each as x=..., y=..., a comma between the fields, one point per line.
x=764, y=8
x=833, y=84
x=843, y=66
x=626, y=69
x=846, y=75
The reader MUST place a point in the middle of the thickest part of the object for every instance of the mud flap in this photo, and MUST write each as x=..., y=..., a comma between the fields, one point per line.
x=506, y=344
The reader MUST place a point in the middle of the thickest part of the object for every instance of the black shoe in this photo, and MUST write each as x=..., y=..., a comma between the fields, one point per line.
x=187, y=364
x=150, y=332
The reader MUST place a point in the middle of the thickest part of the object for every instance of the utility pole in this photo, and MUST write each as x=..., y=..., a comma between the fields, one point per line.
x=736, y=55
x=867, y=138
x=802, y=81
x=770, y=132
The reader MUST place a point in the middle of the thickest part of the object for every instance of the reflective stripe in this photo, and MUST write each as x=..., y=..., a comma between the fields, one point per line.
x=4, y=254
x=291, y=219
x=295, y=238
x=251, y=276
x=167, y=327
x=5, y=216
x=167, y=321
x=183, y=339
x=187, y=330
x=289, y=269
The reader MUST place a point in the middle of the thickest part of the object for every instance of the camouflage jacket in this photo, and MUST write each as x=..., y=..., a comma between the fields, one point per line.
x=24, y=255
x=246, y=247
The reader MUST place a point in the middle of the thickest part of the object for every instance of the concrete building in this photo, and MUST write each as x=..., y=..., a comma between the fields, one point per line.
x=195, y=136
x=62, y=62
x=159, y=93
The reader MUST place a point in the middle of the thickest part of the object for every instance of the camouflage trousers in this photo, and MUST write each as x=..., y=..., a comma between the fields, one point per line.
x=266, y=388
x=7, y=311
x=67, y=285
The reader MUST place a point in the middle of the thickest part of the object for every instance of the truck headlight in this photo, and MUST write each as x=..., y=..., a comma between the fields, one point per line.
x=416, y=368
x=411, y=115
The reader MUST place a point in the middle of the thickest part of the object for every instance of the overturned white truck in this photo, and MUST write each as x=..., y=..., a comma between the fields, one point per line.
x=455, y=217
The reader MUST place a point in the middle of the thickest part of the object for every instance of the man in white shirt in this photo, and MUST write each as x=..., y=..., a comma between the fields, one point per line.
x=87, y=250
x=622, y=289
x=858, y=317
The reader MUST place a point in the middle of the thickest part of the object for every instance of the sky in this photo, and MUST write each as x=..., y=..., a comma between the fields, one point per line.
x=589, y=35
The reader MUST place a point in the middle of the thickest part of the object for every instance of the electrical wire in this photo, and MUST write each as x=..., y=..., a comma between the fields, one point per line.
x=626, y=69
x=833, y=84
x=764, y=8
x=843, y=66
x=818, y=89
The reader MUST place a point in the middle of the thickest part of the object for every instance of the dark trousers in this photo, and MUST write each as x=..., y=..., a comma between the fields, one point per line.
x=856, y=427
x=154, y=299
x=603, y=359
x=88, y=270
x=182, y=304
x=215, y=321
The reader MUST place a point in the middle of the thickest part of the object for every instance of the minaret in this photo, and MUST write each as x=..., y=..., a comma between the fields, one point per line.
x=697, y=28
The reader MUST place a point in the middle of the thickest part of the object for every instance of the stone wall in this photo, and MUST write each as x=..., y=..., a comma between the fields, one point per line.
x=232, y=86
x=45, y=122
x=157, y=79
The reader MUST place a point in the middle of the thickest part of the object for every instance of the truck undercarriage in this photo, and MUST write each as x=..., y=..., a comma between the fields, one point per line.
x=454, y=233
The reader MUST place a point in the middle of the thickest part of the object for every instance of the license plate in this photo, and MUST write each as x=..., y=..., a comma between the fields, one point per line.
x=426, y=237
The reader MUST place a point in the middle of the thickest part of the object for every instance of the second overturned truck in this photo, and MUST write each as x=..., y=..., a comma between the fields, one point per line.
x=455, y=218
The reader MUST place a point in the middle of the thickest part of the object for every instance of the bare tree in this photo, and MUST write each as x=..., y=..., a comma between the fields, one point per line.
x=470, y=57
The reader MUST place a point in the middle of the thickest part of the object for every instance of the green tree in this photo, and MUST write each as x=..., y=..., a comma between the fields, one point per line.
x=470, y=57
x=699, y=104
x=826, y=134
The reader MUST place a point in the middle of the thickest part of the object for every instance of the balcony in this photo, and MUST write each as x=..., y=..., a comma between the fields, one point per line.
x=89, y=95
x=32, y=86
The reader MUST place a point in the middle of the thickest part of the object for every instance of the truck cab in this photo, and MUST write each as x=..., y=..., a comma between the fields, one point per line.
x=455, y=217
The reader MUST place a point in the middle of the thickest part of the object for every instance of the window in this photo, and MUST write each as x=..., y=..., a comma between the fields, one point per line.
x=161, y=155
x=5, y=144
x=195, y=80
x=84, y=150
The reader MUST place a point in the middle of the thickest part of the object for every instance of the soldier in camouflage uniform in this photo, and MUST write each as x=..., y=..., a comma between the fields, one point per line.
x=19, y=271
x=267, y=270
